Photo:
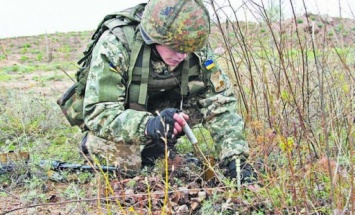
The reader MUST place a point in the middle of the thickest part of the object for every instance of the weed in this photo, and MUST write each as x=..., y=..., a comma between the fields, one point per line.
x=35, y=51
x=25, y=48
x=45, y=79
x=14, y=68
x=262, y=30
x=26, y=127
x=339, y=28
x=27, y=45
x=299, y=21
x=39, y=56
x=65, y=49
x=210, y=206
x=4, y=76
x=24, y=58
x=34, y=189
x=73, y=192
x=204, y=138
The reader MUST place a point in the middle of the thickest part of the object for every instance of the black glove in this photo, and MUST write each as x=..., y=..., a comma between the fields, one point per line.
x=247, y=173
x=162, y=125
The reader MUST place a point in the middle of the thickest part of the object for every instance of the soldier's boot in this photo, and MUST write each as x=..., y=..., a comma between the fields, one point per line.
x=83, y=148
x=155, y=151
x=152, y=152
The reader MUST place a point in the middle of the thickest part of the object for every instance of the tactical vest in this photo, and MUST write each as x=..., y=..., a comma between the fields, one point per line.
x=140, y=80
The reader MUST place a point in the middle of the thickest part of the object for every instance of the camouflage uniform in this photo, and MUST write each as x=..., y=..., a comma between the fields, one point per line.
x=116, y=132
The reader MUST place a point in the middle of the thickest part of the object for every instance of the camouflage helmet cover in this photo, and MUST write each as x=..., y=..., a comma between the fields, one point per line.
x=182, y=25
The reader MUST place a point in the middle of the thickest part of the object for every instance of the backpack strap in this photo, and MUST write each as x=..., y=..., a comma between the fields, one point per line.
x=137, y=45
x=185, y=77
x=143, y=89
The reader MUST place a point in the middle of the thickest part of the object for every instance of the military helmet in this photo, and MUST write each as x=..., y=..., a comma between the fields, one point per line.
x=182, y=25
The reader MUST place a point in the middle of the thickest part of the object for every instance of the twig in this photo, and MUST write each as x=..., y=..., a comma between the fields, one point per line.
x=166, y=190
x=59, y=67
x=47, y=204
x=149, y=196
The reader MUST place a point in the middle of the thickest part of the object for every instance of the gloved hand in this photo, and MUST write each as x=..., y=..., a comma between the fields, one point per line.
x=247, y=173
x=168, y=124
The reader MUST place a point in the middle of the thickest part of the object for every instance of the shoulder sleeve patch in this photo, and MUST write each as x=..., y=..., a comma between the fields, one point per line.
x=115, y=69
x=218, y=81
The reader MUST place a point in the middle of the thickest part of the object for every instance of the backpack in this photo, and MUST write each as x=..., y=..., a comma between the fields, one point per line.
x=122, y=25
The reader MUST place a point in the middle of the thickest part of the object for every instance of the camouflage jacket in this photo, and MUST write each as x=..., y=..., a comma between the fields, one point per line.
x=107, y=116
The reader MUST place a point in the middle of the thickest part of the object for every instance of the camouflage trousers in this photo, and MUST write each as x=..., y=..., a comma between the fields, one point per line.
x=125, y=156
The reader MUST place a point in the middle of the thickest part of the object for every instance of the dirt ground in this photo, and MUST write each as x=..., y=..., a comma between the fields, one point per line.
x=27, y=82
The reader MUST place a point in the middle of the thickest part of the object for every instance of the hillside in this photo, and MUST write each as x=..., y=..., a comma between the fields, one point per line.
x=294, y=84
x=66, y=48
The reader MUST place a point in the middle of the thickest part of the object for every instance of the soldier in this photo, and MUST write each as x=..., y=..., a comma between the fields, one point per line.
x=167, y=69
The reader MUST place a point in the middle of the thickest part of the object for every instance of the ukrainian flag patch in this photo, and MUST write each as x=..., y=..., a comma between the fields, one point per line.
x=209, y=64
x=112, y=68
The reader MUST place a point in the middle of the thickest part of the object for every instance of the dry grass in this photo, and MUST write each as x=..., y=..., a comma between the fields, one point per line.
x=295, y=90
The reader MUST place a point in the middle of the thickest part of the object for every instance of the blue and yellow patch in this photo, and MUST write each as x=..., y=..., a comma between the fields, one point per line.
x=112, y=68
x=209, y=64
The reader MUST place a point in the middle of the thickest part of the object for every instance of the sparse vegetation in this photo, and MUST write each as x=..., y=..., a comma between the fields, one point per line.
x=299, y=21
x=295, y=91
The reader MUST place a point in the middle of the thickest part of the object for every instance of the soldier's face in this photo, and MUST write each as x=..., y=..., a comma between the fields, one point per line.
x=170, y=57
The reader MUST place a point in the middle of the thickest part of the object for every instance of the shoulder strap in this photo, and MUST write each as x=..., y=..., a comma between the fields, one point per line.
x=185, y=77
x=145, y=76
x=137, y=45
